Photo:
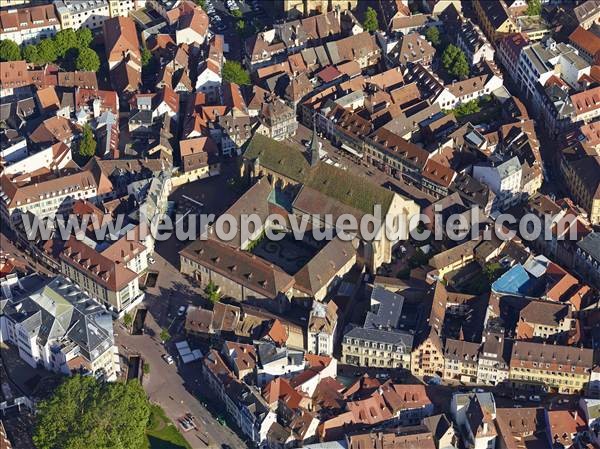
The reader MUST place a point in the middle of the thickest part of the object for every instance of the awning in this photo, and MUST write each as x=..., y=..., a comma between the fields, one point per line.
x=351, y=150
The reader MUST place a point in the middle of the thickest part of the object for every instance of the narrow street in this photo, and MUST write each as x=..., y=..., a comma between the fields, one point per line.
x=174, y=393
x=9, y=248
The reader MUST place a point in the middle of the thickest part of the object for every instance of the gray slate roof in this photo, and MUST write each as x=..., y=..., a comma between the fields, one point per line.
x=591, y=245
x=382, y=336
x=57, y=310
x=386, y=309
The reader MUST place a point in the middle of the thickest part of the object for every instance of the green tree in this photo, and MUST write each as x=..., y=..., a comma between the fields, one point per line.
x=146, y=368
x=64, y=41
x=84, y=37
x=236, y=13
x=468, y=108
x=46, y=51
x=201, y=3
x=455, y=61
x=493, y=271
x=433, y=36
x=164, y=335
x=9, y=50
x=84, y=412
x=212, y=292
x=30, y=53
x=235, y=73
x=534, y=7
x=127, y=320
x=371, y=23
x=146, y=57
x=87, y=59
x=460, y=68
x=449, y=55
x=240, y=27
x=87, y=144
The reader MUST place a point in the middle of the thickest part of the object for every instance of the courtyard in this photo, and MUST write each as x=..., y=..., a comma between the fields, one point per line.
x=288, y=253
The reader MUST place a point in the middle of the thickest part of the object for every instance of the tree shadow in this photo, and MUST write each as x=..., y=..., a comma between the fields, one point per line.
x=157, y=443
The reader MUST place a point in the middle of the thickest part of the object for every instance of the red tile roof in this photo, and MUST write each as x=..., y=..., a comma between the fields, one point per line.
x=595, y=72
x=242, y=355
x=586, y=40
x=108, y=273
x=243, y=268
x=121, y=39
x=14, y=74
x=438, y=173
x=591, y=131
x=371, y=410
x=197, y=20
x=564, y=425
x=27, y=18
x=328, y=74
x=54, y=129
x=108, y=99
x=277, y=333
x=586, y=101
x=47, y=98
x=160, y=41
x=280, y=388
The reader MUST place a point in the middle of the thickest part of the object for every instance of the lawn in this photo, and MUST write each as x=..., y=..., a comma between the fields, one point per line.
x=482, y=110
x=161, y=433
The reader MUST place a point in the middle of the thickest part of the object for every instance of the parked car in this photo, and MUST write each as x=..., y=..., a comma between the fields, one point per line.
x=434, y=380
x=535, y=398
x=151, y=260
x=167, y=358
x=181, y=310
x=185, y=425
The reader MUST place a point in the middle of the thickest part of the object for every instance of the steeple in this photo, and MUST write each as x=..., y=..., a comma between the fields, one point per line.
x=313, y=156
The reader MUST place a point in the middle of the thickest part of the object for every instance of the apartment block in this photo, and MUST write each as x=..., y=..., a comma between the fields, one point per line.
x=492, y=366
x=110, y=276
x=587, y=258
x=78, y=14
x=461, y=360
x=563, y=369
x=377, y=348
x=50, y=195
x=580, y=169
x=29, y=25
x=55, y=324
x=322, y=328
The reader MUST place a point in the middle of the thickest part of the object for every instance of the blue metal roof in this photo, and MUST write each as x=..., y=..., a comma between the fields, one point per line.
x=515, y=281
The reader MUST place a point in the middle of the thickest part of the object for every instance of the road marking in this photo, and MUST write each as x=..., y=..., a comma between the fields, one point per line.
x=192, y=200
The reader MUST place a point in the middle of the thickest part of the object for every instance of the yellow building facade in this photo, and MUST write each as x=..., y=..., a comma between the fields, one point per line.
x=308, y=7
